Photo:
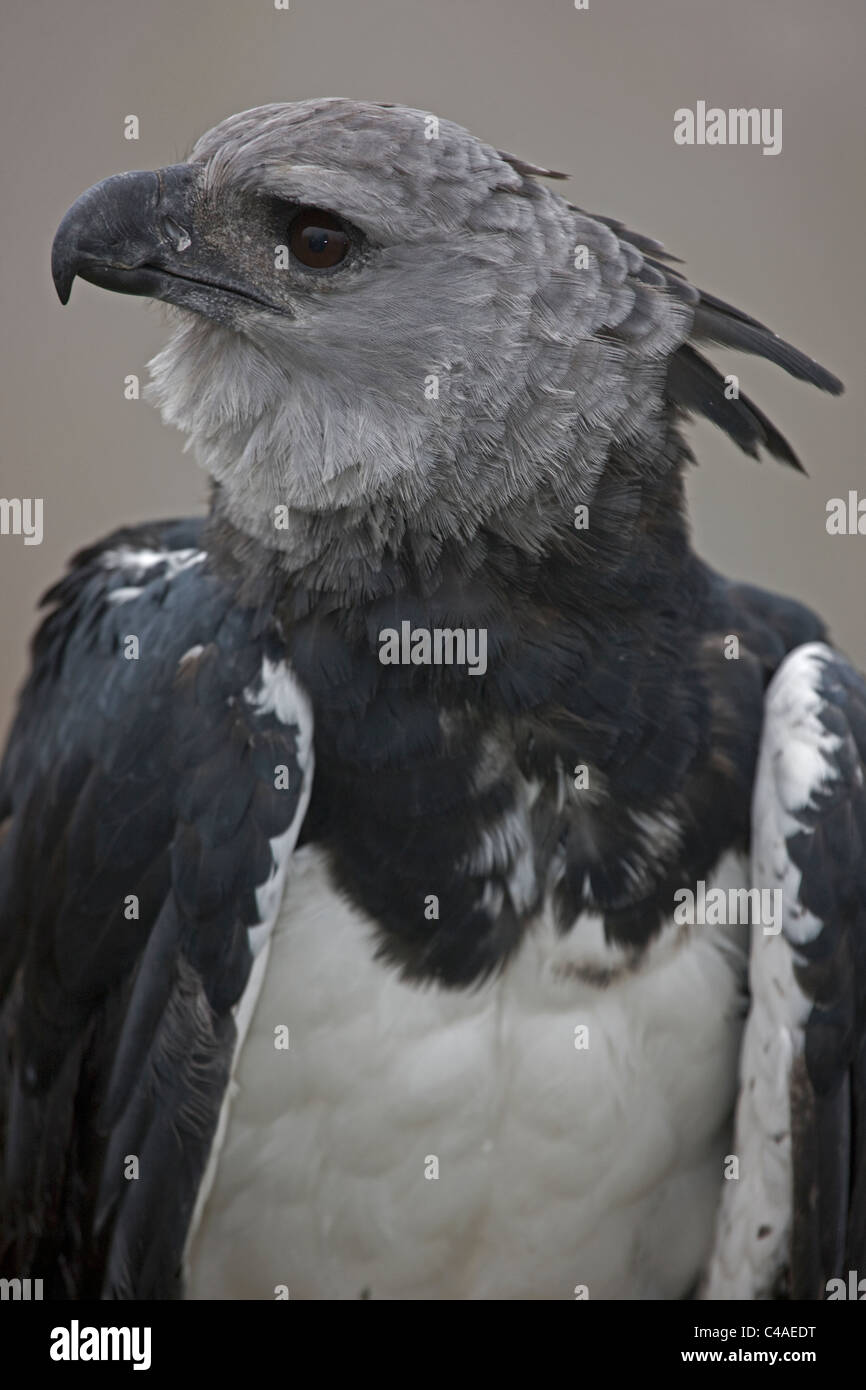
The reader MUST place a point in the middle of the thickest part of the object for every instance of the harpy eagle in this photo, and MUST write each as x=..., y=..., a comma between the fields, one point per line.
x=414, y=978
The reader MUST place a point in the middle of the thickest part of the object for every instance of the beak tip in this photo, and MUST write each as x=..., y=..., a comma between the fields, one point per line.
x=63, y=268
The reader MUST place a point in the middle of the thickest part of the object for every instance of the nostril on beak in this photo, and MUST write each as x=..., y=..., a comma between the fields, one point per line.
x=177, y=235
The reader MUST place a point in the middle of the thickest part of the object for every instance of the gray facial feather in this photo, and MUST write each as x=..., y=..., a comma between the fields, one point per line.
x=468, y=276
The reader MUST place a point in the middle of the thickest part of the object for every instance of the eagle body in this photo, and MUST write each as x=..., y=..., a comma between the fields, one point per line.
x=335, y=977
x=326, y=1182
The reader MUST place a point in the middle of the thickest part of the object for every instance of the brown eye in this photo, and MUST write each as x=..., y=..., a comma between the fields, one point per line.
x=316, y=239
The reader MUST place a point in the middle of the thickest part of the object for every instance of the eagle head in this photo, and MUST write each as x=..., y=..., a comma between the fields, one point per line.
x=384, y=327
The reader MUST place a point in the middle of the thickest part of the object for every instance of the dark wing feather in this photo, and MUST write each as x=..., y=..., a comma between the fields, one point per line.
x=717, y=322
x=148, y=779
x=693, y=384
x=696, y=386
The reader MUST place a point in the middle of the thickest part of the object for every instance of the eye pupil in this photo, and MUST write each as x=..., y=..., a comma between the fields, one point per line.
x=317, y=240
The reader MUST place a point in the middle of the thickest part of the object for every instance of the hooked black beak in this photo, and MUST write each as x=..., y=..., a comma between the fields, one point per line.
x=136, y=233
x=128, y=233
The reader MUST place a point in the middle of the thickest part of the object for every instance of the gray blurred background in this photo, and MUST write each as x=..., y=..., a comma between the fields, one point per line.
x=591, y=92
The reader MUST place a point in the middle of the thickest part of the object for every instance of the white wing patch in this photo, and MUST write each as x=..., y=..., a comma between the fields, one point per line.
x=278, y=693
x=796, y=759
x=137, y=565
x=281, y=695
